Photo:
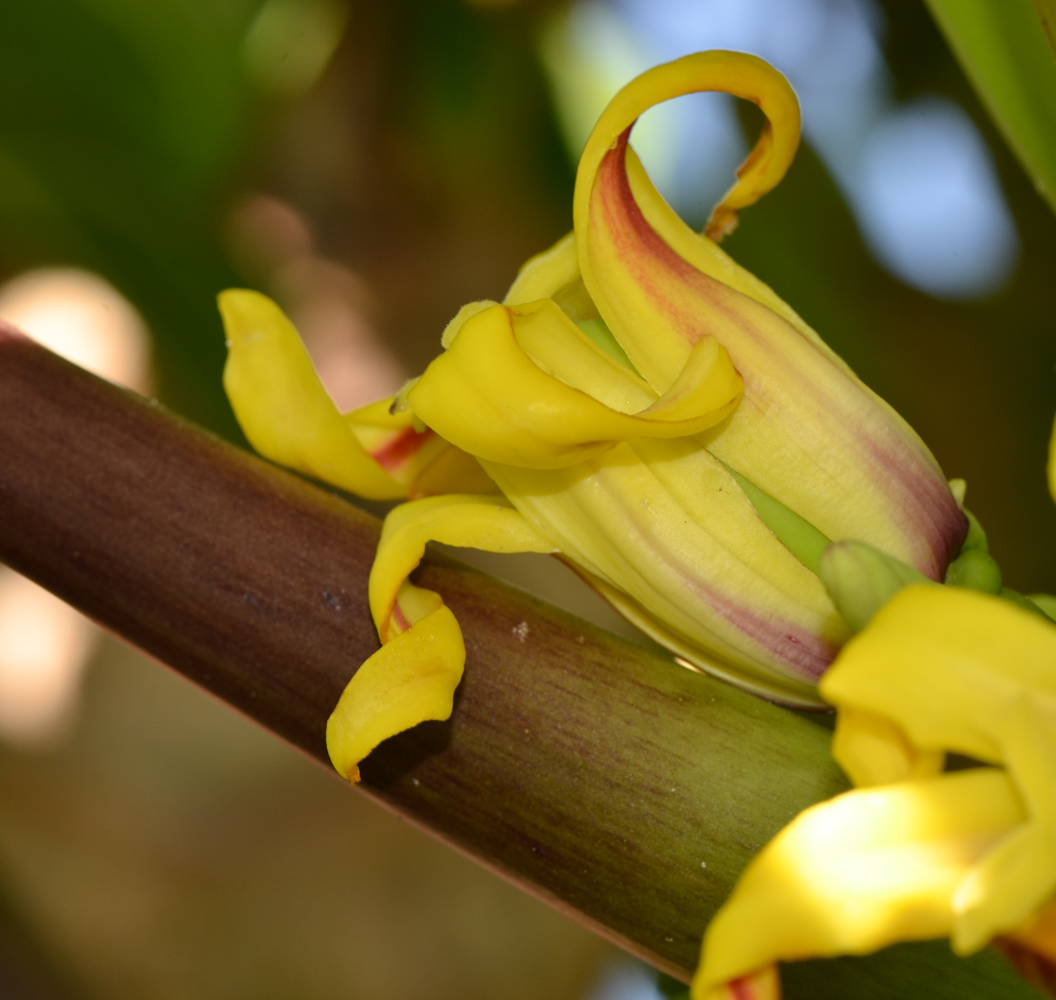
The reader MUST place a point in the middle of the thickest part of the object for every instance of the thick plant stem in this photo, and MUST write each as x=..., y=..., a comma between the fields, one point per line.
x=616, y=785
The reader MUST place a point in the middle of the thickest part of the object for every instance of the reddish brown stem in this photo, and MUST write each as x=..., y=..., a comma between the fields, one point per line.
x=621, y=788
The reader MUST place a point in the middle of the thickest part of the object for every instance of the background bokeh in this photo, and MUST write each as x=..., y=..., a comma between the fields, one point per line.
x=373, y=166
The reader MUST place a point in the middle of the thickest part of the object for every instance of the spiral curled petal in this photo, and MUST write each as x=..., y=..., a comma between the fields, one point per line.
x=413, y=677
x=807, y=432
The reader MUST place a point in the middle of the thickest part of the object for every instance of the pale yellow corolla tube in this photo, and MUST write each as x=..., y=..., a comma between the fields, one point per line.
x=969, y=855
x=639, y=403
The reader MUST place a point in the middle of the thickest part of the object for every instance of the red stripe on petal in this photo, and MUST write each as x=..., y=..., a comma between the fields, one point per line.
x=929, y=517
x=399, y=619
x=400, y=448
x=741, y=989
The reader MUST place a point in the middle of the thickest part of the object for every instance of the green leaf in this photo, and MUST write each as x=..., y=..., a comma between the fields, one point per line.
x=1047, y=12
x=1003, y=48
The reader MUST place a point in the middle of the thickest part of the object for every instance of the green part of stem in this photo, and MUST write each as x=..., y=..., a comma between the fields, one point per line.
x=797, y=534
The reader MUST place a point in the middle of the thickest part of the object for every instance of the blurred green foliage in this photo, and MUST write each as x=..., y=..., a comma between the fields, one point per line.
x=1006, y=54
x=120, y=126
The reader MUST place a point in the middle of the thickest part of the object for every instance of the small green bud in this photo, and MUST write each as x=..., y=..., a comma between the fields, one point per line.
x=975, y=569
x=861, y=579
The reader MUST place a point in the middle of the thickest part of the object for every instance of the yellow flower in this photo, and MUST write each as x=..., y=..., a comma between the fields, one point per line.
x=914, y=853
x=642, y=407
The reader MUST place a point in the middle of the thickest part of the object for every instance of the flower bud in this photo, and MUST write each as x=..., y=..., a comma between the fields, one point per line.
x=651, y=413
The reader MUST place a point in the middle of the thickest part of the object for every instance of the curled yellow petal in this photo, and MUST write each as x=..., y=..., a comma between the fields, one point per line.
x=653, y=298
x=413, y=677
x=489, y=396
x=859, y=872
x=970, y=673
x=807, y=432
x=734, y=73
x=409, y=680
x=288, y=417
x=282, y=406
x=946, y=666
x=488, y=523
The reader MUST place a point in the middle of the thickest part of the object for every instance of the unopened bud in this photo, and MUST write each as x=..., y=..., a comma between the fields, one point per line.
x=860, y=579
x=975, y=569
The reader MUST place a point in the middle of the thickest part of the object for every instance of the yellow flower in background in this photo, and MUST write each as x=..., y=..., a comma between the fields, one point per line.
x=914, y=853
x=638, y=405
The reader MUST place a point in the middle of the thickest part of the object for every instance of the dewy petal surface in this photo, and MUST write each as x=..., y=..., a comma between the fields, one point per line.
x=807, y=431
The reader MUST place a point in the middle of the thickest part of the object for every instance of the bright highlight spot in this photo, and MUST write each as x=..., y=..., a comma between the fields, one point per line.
x=82, y=317
x=44, y=643
x=930, y=203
